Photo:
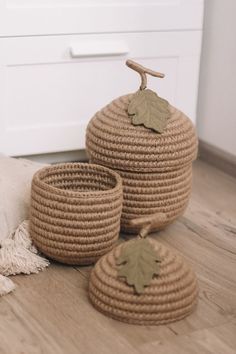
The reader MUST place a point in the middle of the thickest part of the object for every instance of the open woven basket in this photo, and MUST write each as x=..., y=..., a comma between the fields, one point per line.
x=75, y=211
x=156, y=168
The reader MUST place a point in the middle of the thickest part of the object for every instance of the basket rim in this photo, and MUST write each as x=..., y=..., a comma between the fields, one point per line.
x=37, y=178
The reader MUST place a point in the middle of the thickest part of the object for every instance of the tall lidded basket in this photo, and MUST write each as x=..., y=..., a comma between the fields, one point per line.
x=152, y=145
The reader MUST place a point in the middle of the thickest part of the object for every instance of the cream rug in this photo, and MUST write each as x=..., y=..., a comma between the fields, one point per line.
x=18, y=256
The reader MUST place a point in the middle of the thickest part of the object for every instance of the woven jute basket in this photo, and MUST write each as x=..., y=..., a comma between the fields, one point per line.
x=171, y=296
x=156, y=168
x=75, y=211
x=150, y=193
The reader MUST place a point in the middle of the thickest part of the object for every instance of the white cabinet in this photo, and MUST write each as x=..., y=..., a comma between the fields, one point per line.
x=43, y=17
x=50, y=86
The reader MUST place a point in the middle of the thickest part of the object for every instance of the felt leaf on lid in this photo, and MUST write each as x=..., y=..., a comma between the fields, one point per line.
x=147, y=108
x=138, y=263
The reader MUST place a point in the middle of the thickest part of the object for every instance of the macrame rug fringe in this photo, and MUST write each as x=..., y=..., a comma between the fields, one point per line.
x=18, y=255
x=6, y=285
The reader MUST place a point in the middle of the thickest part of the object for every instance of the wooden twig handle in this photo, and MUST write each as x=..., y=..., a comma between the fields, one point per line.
x=143, y=71
x=149, y=222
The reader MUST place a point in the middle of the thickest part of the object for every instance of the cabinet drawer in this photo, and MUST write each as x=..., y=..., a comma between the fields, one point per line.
x=37, y=17
x=51, y=86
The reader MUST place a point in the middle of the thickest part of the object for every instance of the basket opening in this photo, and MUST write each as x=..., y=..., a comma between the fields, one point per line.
x=80, y=180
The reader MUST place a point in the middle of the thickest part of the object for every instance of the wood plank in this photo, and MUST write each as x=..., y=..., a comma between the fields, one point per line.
x=215, y=340
x=52, y=310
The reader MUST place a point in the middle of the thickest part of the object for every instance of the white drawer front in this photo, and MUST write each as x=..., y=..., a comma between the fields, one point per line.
x=51, y=86
x=34, y=17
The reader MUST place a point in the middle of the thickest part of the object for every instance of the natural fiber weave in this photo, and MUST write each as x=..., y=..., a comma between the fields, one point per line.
x=150, y=193
x=156, y=168
x=114, y=142
x=171, y=296
x=75, y=211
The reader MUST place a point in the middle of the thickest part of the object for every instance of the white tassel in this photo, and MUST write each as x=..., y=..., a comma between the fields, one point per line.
x=6, y=285
x=21, y=236
x=18, y=255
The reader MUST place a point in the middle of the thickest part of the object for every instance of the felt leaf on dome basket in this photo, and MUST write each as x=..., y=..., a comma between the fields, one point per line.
x=147, y=108
x=138, y=262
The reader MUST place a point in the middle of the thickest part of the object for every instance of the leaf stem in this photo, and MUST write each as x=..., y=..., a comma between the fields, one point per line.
x=144, y=231
x=148, y=222
x=143, y=71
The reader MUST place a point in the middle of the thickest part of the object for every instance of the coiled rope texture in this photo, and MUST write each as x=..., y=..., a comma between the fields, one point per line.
x=156, y=168
x=75, y=211
x=171, y=296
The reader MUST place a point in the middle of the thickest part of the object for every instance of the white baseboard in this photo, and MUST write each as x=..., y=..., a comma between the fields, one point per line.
x=57, y=157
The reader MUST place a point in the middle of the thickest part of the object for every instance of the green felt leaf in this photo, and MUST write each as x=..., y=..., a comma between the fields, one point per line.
x=147, y=108
x=138, y=263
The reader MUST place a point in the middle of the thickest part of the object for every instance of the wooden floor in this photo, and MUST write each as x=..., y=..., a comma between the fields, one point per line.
x=50, y=312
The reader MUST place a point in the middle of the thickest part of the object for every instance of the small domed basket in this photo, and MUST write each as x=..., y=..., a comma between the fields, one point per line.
x=170, y=296
x=75, y=211
x=156, y=168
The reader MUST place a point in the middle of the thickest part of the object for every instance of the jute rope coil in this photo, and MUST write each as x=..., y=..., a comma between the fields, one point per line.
x=156, y=168
x=149, y=193
x=114, y=142
x=75, y=211
x=171, y=296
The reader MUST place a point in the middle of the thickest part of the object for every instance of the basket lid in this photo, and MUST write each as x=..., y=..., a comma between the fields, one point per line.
x=114, y=140
x=170, y=293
